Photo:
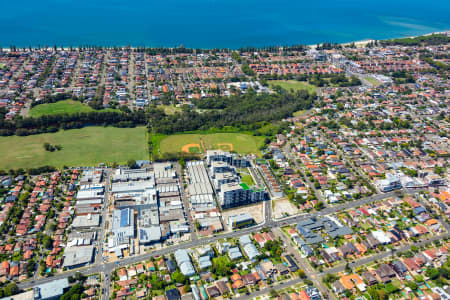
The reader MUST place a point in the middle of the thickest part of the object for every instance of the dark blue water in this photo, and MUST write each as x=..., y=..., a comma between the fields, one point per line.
x=214, y=23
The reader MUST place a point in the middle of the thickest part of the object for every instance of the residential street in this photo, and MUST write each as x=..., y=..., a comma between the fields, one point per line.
x=288, y=152
x=304, y=265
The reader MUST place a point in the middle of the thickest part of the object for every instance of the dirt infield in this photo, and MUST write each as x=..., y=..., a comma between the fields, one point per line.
x=197, y=148
x=187, y=148
x=225, y=146
x=239, y=142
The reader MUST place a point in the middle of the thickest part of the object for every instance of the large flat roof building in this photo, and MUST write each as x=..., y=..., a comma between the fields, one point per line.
x=148, y=235
x=240, y=220
x=86, y=221
x=235, y=194
x=133, y=187
x=125, y=175
x=122, y=226
x=90, y=194
x=75, y=257
x=51, y=290
x=197, y=172
x=223, y=178
x=391, y=183
x=230, y=158
x=201, y=193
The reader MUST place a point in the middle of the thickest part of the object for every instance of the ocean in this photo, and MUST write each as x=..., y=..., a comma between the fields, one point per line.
x=214, y=23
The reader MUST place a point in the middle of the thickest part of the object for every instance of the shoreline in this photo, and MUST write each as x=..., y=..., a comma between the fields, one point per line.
x=358, y=44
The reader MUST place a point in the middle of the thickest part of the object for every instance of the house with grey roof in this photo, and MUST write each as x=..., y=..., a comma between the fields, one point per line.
x=244, y=240
x=251, y=251
x=248, y=247
x=184, y=262
x=371, y=279
x=310, y=227
x=234, y=253
x=204, y=262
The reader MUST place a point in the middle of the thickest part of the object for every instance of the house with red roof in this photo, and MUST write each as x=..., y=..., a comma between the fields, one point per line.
x=259, y=239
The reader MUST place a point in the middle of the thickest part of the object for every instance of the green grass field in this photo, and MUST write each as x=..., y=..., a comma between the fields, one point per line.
x=293, y=84
x=170, y=109
x=194, y=150
x=238, y=142
x=247, y=178
x=373, y=80
x=300, y=113
x=61, y=107
x=88, y=146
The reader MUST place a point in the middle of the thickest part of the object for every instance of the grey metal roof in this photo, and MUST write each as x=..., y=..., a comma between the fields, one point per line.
x=244, y=240
x=51, y=289
x=234, y=253
x=74, y=256
x=251, y=251
x=204, y=262
x=149, y=234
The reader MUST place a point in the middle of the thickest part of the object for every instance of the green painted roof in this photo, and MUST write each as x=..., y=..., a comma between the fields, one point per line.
x=244, y=186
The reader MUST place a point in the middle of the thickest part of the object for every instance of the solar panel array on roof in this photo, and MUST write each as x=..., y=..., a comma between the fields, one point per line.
x=125, y=217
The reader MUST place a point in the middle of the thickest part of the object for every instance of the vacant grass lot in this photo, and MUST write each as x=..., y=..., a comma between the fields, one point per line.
x=88, y=146
x=61, y=107
x=238, y=142
x=293, y=84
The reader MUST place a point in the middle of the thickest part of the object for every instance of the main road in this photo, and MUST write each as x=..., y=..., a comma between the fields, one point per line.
x=306, y=267
x=107, y=268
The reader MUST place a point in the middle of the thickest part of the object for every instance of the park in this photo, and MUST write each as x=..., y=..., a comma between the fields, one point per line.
x=88, y=146
x=198, y=143
x=62, y=107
